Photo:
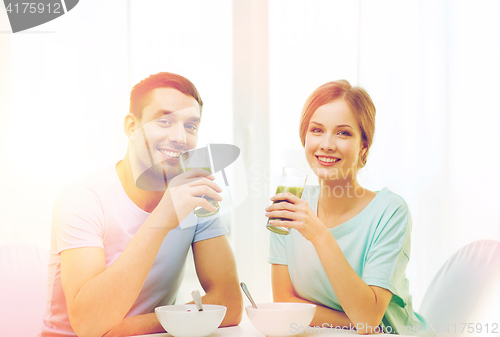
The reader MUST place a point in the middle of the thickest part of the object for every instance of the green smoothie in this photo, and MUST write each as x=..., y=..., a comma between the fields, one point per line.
x=203, y=168
x=297, y=191
x=294, y=190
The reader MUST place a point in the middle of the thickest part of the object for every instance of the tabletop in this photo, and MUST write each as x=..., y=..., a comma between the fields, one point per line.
x=246, y=329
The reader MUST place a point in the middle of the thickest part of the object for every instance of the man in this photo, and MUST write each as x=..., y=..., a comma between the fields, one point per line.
x=117, y=249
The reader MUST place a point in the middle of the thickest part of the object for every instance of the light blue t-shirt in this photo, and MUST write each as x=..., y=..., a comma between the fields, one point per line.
x=376, y=243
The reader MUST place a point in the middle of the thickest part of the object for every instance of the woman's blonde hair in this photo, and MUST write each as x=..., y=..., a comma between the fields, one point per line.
x=356, y=98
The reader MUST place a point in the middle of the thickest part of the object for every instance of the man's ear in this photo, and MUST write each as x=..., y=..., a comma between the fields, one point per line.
x=130, y=124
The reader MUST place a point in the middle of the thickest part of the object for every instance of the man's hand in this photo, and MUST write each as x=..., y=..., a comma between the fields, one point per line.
x=185, y=192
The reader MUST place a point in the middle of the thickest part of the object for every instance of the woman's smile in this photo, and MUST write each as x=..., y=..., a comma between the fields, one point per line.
x=333, y=141
x=327, y=160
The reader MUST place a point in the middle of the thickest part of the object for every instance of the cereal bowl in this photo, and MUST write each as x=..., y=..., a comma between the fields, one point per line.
x=185, y=320
x=281, y=319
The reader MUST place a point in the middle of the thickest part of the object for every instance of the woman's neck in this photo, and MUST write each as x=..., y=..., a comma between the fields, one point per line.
x=340, y=195
x=341, y=199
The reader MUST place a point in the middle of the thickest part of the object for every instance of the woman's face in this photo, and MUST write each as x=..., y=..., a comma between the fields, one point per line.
x=333, y=143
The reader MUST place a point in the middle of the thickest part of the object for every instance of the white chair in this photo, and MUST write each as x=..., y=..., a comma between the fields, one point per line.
x=463, y=299
x=23, y=289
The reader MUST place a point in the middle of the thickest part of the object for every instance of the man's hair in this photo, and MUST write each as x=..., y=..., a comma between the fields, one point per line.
x=139, y=96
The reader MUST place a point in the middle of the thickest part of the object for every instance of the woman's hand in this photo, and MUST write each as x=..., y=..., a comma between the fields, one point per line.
x=300, y=216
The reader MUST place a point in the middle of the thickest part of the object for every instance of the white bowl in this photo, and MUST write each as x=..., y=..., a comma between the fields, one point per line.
x=281, y=319
x=185, y=320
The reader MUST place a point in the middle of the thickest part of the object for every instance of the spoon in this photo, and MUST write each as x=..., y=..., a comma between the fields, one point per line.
x=245, y=290
x=197, y=299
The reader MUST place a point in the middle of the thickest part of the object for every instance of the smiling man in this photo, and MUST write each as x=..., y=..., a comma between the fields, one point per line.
x=120, y=237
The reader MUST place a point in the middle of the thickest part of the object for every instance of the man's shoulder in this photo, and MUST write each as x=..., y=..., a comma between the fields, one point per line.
x=104, y=177
x=95, y=184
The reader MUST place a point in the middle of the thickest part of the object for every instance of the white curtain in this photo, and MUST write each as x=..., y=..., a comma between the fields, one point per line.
x=64, y=92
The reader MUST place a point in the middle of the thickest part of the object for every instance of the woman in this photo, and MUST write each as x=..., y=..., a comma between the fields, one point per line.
x=350, y=246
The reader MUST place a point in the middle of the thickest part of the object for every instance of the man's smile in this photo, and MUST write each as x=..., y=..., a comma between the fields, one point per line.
x=170, y=154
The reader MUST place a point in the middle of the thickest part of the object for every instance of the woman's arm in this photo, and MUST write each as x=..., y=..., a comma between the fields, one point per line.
x=364, y=305
x=283, y=292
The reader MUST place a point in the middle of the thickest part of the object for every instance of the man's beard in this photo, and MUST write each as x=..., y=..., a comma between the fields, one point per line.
x=150, y=172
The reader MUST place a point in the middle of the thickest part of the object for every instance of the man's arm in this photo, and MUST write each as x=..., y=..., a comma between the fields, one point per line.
x=136, y=325
x=97, y=297
x=216, y=270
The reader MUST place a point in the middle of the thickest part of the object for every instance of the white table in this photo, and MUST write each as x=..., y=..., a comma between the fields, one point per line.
x=246, y=329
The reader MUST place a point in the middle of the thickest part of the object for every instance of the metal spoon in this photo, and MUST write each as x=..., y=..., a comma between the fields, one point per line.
x=197, y=299
x=245, y=290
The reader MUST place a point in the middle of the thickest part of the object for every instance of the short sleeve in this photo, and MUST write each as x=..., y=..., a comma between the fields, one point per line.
x=388, y=254
x=277, y=249
x=77, y=219
x=209, y=228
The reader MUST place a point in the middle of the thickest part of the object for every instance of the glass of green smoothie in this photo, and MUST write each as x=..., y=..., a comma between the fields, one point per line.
x=292, y=180
x=199, y=158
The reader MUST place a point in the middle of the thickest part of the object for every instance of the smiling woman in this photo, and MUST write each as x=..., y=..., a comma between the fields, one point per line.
x=355, y=107
x=349, y=250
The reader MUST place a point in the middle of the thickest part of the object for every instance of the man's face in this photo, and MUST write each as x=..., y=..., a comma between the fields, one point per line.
x=169, y=126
